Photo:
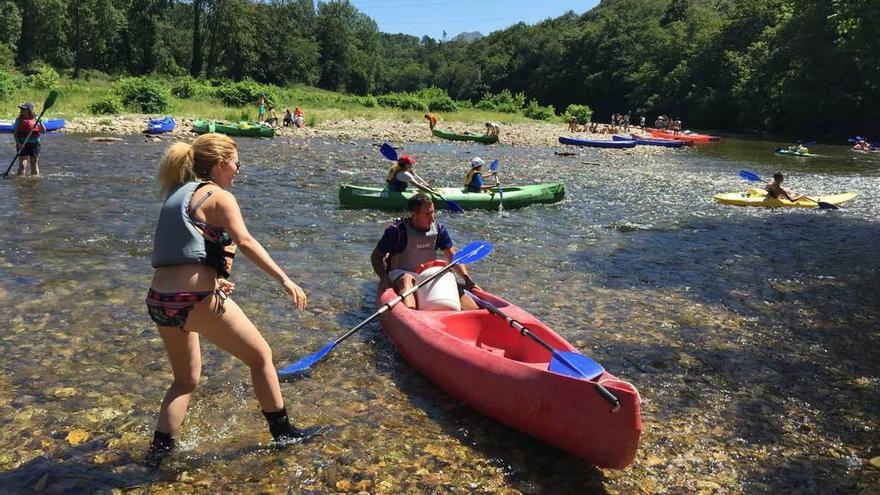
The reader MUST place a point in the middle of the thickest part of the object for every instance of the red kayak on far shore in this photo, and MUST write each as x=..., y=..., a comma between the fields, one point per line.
x=481, y=360
x=691, y=136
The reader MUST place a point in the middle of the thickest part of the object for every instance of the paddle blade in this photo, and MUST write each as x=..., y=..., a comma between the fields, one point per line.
x=494, y=166
x=745, y=174
x=452, y=205
x=827, y=206
x=575, y=364
x=50, y=100
x=305, y=363
x=472, y=252
x=388, y=152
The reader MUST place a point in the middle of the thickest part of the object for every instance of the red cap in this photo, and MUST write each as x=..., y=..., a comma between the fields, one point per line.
x=406, y=160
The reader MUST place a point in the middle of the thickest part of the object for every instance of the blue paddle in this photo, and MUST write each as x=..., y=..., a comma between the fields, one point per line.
x=474, y=251
x=390, y=153
x=494, y=168
x=751, y=176
x=567, y=363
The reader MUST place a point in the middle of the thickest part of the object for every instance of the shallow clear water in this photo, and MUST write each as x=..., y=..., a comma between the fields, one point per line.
x=751, y=334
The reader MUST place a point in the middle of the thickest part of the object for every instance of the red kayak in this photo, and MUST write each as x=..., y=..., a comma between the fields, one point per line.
x=697, y=138
x=478, y=358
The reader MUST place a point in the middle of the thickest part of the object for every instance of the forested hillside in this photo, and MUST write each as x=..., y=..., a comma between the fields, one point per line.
x=795, y=66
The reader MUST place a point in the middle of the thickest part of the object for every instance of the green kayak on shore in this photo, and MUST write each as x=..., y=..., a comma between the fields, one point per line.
x=514, y=197
x=246, y=129
x=485, y=139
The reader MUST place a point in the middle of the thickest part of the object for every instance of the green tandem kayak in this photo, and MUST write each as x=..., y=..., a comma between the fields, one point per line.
x=514, y=197
x=485, y=139
x=247, y=129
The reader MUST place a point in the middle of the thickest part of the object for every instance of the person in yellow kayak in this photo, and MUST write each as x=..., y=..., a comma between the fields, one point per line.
x=410, y=242
x=401, y=175
x=473, y=181
x=775, y=190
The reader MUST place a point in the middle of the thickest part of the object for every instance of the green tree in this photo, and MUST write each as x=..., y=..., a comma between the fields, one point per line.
x=94, y=25
x=349, y=47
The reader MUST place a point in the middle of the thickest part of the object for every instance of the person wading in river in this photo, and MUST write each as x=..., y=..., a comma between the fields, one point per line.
x=190, y=296
x=411, y=241
x=24, y=128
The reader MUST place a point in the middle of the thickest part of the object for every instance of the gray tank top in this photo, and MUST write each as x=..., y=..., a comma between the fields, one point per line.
x=421, y=247
x=177, y=240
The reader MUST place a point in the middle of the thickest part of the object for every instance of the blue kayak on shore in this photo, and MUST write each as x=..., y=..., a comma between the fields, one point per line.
x=597, y=143
x=50, y=124
x=666, y=143
x=159, y=126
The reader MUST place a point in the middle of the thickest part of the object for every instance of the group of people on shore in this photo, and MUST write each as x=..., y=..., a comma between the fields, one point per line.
x=266, y=113
x=664, y=123
x=199, y=231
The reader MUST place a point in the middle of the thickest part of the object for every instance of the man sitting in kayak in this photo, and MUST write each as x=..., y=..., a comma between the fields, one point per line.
x=473, y=181
x=411, y=241
x=775, y=189
x=799, y=148
x=401, y=175
x=861, y=145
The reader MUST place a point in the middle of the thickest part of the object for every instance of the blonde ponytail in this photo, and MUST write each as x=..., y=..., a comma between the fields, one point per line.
x=190, y=162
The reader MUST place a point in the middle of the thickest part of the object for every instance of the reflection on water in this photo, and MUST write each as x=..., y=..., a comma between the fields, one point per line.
x=751, y=334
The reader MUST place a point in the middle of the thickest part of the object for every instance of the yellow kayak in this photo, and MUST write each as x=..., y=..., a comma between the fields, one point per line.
x=758, y=197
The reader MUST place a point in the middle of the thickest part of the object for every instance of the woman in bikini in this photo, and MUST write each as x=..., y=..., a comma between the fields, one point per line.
x=190, y=296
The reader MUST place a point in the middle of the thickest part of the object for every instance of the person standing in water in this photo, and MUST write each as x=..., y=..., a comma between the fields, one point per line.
x=199, y=226
x=27, y=139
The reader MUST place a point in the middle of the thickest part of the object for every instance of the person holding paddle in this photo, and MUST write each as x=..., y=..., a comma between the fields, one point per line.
x=408, y=243
x=401, y=175
x=189, y=296
x=473, y=181
x=775, y=189
x=27, y=131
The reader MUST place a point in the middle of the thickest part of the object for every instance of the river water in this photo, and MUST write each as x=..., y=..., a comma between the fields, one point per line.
x=752, y=334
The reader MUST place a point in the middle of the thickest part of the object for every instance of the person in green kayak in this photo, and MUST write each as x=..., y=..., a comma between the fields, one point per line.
x=799, y=148
x=410, y=242
x=473, y=181
x=402, y=175
x=775, y=190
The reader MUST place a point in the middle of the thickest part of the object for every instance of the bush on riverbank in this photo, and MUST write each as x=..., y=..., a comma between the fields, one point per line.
x=109, y=105
x=143, y=94
x=583, y=113
x=97, y=93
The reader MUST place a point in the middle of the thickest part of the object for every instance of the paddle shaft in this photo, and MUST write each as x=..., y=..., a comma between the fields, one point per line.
x=21, y=147
x=500, y=194
x=523, y=330
x=390, y=153
x=390, y=304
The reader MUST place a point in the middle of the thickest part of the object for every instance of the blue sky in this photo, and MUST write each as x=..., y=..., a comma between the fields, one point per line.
x=432, y=17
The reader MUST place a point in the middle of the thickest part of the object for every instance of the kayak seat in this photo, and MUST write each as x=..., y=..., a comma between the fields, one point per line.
x=494, y=350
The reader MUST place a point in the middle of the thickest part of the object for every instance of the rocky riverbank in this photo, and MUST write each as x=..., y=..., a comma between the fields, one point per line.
x=535, y=134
